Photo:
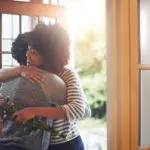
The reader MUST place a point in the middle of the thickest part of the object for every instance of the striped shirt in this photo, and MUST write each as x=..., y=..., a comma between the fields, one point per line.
x=75, y=109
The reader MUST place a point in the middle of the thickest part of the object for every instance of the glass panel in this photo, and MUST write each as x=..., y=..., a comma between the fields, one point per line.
x=144, y=31
x=145, y=108
x=6, y=26
x=7, y=60
x=14, y=62
x=28, y=23
x=48, y=20
x=15, y=27
x=46, y=1
x=34, y=21
x=6, y=45
x=54, y=2
x=63, y=2
x=10, y=26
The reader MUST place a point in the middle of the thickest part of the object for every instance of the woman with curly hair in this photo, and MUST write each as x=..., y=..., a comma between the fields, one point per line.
x=53, y=43
x=23, y=93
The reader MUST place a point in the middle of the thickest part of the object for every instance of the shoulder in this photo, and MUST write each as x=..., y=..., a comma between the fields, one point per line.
x=17, y=81
x=20, y=83
x=67, y=71
x=52, y=79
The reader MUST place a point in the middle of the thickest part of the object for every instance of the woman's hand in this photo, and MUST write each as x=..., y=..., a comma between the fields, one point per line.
x=25, y=114
x=32, y=73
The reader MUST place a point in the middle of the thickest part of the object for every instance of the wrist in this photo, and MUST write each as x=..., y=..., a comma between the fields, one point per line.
x=21, y=70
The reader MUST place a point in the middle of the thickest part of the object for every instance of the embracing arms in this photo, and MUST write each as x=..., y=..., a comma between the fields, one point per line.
x=74, y=109
x=76, y=103
x=33, y=73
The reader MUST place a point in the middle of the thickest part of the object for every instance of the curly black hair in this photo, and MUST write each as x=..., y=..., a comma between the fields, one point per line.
x=52, y=41
x=19, y=49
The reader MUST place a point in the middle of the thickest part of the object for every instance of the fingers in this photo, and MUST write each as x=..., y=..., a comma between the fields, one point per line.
x=37, y=69
x=38, y=79
x=33, y=74
x=19, y=117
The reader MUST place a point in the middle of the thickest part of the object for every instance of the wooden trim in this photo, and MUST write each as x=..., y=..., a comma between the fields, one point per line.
x=118, y=75
x=144, y=67
x=134, y=38
x=112, y=75
x=7, y=0
x=5, y=52
x=37, y=1
x=125, y=76
x=31, y=9
x=144, y=148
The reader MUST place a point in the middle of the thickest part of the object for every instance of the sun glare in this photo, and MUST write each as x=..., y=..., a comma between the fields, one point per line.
x=83, y=13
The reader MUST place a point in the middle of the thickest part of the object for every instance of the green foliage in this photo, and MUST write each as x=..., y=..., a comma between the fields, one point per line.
x=90, y=60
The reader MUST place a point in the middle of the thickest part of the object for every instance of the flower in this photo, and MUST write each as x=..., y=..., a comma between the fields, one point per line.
x=7, y=108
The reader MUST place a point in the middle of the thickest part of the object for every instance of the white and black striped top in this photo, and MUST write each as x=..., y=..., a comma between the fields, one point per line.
x=76, y=108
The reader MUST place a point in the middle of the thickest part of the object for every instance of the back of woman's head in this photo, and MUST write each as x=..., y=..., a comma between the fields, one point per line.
x=53, y=43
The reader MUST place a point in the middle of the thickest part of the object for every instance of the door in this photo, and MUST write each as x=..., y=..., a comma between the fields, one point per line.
x=140, y=74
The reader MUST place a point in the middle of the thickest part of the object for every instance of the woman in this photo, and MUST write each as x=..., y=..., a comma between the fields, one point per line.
x=53, y=38
x=24, y=93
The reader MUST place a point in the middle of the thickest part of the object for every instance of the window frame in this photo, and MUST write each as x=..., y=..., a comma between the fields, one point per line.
x=119, y=75
x=32, y=9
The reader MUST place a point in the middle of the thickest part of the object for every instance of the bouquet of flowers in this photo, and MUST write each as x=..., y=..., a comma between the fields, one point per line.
x=7, y=108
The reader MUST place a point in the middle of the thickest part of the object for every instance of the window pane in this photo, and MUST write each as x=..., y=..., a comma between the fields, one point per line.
x=6, y=45
x=6, y=26
x=15, y=63
x=54, y=2
x=10, y=26
x=34, y=21
x=46, y=1
x=15, y=23
x=145, y=107
x=28, y=23
x=63, y=2
x=144, y=31
x=48, y=20
x=6, y=60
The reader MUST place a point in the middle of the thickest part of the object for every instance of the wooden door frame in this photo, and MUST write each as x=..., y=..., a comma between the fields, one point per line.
x=122, y=74
x=135, y=75
x=118, y=75
x=135, y=70
x=123, y=71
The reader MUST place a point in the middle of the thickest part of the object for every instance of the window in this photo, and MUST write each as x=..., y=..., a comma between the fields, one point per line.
x=12, y=25
x=10, y=29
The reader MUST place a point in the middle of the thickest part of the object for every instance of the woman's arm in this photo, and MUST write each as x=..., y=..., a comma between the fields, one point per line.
x=73, y=110
x=75, y=107
x=28, y=113
x=30, y=72
x=9, y=73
